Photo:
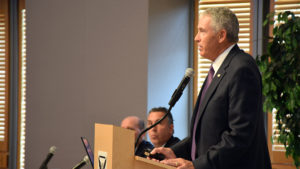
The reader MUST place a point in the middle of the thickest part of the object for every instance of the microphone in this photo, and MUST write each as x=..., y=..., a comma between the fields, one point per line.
x=84, y=161
x=189, y=72
x=48, y=158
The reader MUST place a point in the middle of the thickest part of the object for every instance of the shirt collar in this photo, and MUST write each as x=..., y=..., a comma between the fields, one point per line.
x=218, y=62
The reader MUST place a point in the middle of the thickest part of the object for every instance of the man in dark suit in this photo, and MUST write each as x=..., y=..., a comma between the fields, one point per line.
x=227, y=129
x=162, y=134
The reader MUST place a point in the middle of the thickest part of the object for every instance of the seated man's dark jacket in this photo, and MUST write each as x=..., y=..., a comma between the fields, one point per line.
x=172, y=141
x=144, y=146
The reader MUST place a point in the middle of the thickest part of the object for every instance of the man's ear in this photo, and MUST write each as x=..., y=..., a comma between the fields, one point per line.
x=222, y=35
x=171, y=128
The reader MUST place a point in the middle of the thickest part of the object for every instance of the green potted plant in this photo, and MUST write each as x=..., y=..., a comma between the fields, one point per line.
x=280, y=69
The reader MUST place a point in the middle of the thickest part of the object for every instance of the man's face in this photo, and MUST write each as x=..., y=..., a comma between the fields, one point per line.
x=132, y=124
x=162, y=132
x=207, y=38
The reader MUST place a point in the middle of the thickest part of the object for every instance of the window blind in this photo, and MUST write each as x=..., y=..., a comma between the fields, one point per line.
x=242, y=9
x=4, y=82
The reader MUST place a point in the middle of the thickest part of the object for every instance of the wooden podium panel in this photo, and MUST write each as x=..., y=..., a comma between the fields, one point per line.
x=114, y=147
x=144, y=163
x=117, y=143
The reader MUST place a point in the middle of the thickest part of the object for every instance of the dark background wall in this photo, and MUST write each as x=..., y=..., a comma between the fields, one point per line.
x=88, y=63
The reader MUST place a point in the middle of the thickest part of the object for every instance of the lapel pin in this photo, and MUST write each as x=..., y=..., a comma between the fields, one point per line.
x=219, y=75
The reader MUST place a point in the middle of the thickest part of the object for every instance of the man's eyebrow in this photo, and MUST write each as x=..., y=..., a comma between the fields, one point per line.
x=201, y=29
x=157, y=120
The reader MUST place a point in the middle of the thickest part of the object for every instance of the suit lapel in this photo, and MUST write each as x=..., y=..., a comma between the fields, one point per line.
x=209, y=93
x=214, y=84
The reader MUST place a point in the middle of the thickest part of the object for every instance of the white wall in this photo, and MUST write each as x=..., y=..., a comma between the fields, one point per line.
x=169, y=25
x=87, y=63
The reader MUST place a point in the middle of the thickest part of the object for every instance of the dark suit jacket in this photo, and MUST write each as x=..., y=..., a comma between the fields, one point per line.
x=230, y=133
x=145, y=146
x=172, y=141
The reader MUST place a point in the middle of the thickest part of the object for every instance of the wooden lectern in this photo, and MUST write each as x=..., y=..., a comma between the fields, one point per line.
x=114, y=149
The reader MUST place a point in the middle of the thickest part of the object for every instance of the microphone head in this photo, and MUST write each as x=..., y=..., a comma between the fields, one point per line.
x=86, y=159
x=52, y=149
x=189, y=72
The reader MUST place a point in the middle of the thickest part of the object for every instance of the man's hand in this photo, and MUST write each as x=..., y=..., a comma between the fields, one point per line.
x=170, y=159
x=167, y=152
x=179, y=163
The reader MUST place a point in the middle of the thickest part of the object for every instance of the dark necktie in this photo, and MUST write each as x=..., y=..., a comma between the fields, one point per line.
x=208, y=81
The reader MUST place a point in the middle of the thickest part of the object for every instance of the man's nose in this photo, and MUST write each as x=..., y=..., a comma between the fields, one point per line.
x=154, y=128
x=197, y=39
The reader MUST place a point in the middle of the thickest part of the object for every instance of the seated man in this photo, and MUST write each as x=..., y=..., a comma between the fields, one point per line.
x=162, y=134
x=137, y=125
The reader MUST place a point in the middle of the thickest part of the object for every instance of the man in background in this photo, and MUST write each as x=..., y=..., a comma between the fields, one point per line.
x=162, y=134
x=137, y=125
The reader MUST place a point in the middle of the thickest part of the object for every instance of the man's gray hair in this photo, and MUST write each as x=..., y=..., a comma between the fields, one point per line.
x=224, y=18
